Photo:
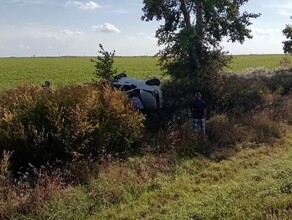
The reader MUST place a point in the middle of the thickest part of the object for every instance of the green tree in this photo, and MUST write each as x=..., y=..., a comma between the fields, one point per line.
x=104, y=64
x=193, y=30
x=288, y=43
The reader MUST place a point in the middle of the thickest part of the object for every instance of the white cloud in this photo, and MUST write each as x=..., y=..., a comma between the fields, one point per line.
x=42, y=40
x=71, y=33
x=37, y=32
x=106, y=27
x=91, y=5
x=265, y=31
x=266, y=40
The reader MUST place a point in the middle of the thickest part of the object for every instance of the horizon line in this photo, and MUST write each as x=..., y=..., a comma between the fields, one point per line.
x=80, y=56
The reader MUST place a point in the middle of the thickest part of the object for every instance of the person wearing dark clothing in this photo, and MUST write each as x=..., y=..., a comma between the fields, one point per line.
x=47, y=86
x=199, y=115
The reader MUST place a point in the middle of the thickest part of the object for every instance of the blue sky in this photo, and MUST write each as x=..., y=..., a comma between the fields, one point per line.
x=76, y=27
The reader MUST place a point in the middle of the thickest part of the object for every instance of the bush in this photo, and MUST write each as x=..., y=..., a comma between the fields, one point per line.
x=263, y=129
x=233, y=132
x=242, y=94
x=40, y=126
x=286, y=62
x=281, y=108
x=179, y=93
x=258, y=128
x=281, y=81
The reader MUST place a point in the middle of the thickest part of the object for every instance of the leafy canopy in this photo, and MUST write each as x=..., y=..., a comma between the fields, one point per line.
x=288, y=43
x=193, y=30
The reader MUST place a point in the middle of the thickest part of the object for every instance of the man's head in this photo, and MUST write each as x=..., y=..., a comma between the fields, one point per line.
x=47, y=83
x=198, y=95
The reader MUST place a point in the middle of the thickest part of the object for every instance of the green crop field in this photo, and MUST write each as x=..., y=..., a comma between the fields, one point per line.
x=241, y=62
x=68, y=70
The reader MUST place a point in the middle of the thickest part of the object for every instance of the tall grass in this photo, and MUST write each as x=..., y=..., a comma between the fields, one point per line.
x=252, y=184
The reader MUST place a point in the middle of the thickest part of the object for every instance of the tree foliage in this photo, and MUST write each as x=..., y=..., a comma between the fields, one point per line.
x=288, y=43
x=193, y=30
x=104, y=64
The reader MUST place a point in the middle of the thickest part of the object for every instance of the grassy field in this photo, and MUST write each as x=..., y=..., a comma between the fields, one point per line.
x=67, y=70
x=242, y=62
x=252, y=183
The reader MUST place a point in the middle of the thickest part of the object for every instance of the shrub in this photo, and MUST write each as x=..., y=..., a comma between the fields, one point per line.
x=286, y=62
x=281, y=81
x=242, y=94
x=258, y=128
x=40, y=126
x=179, y=92
x=281, y=108
x=232, y=134
x=263, y=129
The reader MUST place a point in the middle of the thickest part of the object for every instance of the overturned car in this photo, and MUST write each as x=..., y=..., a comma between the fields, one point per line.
x=146, y=91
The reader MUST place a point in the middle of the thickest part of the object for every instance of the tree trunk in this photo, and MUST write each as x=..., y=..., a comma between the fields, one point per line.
x=186, y=14
x=193, y=56
x=199, y=31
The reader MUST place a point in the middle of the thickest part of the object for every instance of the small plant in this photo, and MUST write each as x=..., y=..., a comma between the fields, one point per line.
x=6, y=187
x=104, y=64
x=4, y=166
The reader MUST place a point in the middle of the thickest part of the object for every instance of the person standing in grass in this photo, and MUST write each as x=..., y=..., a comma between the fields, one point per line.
x=47, y=86
x=199, y=115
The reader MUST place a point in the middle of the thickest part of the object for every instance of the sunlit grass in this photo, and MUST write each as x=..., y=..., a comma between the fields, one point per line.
x=70, y=70
x=241, y=62
x=253, y=183
x=63, y=71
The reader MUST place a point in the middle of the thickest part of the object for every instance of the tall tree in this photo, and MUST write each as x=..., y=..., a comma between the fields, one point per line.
x=193, y=30
x=288, y=43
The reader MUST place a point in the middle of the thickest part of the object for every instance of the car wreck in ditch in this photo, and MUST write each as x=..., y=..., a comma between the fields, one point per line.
x=147, y=91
